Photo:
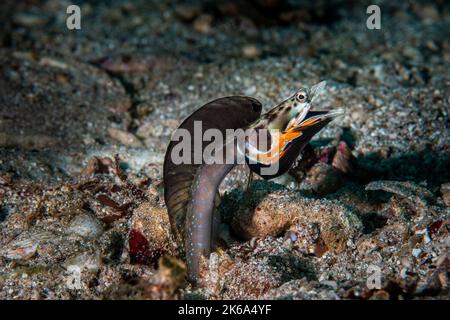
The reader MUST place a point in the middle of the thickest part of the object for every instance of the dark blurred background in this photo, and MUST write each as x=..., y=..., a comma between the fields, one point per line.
x=137, y=68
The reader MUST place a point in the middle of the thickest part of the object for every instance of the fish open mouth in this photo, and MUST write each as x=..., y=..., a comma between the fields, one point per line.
x=310, y=118
x=313, y=122
x=288, y=144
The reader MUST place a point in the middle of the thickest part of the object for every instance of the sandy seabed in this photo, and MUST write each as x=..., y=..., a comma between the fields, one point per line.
x=86, y=116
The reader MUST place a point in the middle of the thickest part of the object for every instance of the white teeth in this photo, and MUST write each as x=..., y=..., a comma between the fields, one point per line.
x=301, y=116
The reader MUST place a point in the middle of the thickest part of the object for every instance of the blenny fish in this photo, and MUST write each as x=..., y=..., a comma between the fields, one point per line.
x=191, y=190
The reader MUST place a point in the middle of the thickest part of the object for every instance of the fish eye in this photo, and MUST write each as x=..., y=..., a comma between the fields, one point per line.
x=301, y=96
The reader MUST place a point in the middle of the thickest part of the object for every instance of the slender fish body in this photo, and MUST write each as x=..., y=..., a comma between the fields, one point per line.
x=190, y=190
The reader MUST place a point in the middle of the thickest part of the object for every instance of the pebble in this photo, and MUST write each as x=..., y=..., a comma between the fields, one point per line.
x=29, y=20
x=251, y=51
x=149, y=236
x=124, y=137
x=262, y=214
x=187, y=13
x=445, y=190
x=250, y=91
x=261, y=221
x=26, y=245
x=322, y=179
x=85, y=261
x=203, y=23
x=406, y=189
x=416, y=252
x=86, y=226
x=23, y=251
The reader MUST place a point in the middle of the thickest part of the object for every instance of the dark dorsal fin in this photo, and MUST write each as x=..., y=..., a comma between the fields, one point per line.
x=224, y=113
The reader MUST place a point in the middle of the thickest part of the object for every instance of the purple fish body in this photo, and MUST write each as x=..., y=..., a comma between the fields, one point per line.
x=190, y=189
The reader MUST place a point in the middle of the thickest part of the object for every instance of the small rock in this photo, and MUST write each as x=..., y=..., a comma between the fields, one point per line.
x=262, y=221
x=187, y=13
x=380, y=295
x=250, y=91
x=149, y=236
x=322, y=179
x=81, y=270
x=21, y=251
x=124, y=137
x=85, y=262
x=431, y=45
x=445, y=190
x=261, y=214
x=54, y=63
x=29, y=20
x=416, y=252
x=86, y=226
x=406, y=189
x=251, y=51
x=203, y=23
x=26, y=245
